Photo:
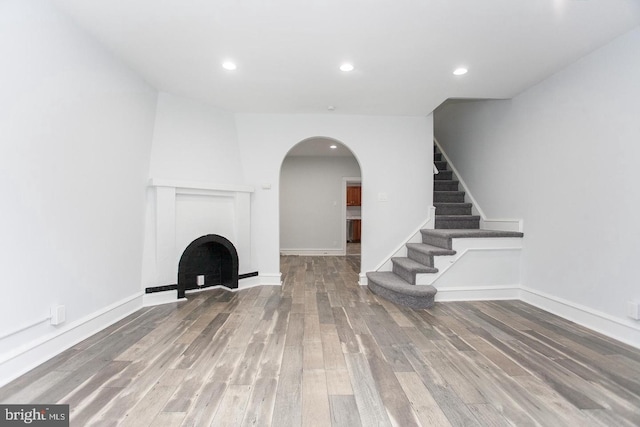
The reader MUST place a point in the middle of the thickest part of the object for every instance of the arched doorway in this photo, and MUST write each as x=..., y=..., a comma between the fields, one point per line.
x=314, y=176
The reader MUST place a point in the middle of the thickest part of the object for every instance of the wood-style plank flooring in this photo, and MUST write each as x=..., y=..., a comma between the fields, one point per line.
x=321, y=351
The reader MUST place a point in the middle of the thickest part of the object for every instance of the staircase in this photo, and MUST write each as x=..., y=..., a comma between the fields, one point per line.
x=453, y=220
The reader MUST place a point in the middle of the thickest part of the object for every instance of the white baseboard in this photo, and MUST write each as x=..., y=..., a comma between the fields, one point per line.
x=271, y=279
x=21, y=360
x=621, y=329
x=158, y=298
x=249, y=282
x=166, y=297
x=314, y=252
x=478, y=293
x=363, y=279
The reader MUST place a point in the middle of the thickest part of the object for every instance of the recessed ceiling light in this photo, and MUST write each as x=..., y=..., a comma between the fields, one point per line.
x=460, y=71
x=228, y=65
x=346, y=67
x=331, y=108
x=333, y=146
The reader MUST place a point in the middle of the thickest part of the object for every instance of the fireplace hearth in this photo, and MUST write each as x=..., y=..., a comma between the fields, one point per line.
x=212, y=256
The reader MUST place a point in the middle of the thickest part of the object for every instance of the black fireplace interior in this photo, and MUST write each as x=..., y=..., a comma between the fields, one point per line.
x=211, y=256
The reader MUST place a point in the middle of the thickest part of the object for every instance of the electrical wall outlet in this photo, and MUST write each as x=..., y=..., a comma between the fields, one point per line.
x=58, y=314
x=201, y=280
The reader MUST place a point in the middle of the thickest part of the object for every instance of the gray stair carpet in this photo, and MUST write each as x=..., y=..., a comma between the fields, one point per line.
x=454, y=220
x=408, y=268
x=391, y=287
x=444, y=238
x=452, y=212
x=457, y=221
x=453, y=208
x=424, y=252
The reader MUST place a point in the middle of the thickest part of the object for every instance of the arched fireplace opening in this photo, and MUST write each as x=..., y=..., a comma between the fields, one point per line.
x=211, y=256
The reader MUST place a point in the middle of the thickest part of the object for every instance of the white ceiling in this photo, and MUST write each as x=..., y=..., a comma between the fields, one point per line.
x=404, y=51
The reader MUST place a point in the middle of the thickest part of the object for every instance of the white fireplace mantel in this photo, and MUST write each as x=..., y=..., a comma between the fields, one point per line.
x=204, y=186
x=186, y=210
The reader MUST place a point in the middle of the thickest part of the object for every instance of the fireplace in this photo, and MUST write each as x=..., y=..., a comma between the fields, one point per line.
x=196, y=229
x=211, y=257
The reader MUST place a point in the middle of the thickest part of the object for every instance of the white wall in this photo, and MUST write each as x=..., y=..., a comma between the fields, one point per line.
x=193, y=141
x=563, y=156
x=312, y=202
x=76, y=132
x=395, y=156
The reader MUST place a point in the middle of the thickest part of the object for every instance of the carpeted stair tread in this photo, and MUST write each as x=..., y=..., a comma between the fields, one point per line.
x=457, y=221
x=440, y=164
x=408, y=268
x=443, y=175
x=444, y=237
x=453, y=208
x=414, y=266
x=448, y=196
x=445, y=185
x=470, y=233
x=454, y=217
x=444, y=204
x=390, y=286
x=429, y=249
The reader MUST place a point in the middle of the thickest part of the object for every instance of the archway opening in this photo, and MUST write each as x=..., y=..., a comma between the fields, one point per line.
x=316, y=216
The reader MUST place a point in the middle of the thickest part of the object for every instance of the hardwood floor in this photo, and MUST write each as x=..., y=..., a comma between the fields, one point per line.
x=321, y=350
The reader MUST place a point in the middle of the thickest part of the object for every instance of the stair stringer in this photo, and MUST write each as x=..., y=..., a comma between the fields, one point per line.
x=482, y=268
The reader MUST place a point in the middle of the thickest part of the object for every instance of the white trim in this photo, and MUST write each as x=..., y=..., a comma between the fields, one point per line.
x=415, y=235
x=506, y=224
x=502, y=224
x=255, y=284
x=249, y=282
x=193, y=185
x=621, y=329
x=478, y=293
x=313, y=252
x=364, y=281
x=22, y=359
x=166, y=297
x=159, y=298
x=271, y=279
